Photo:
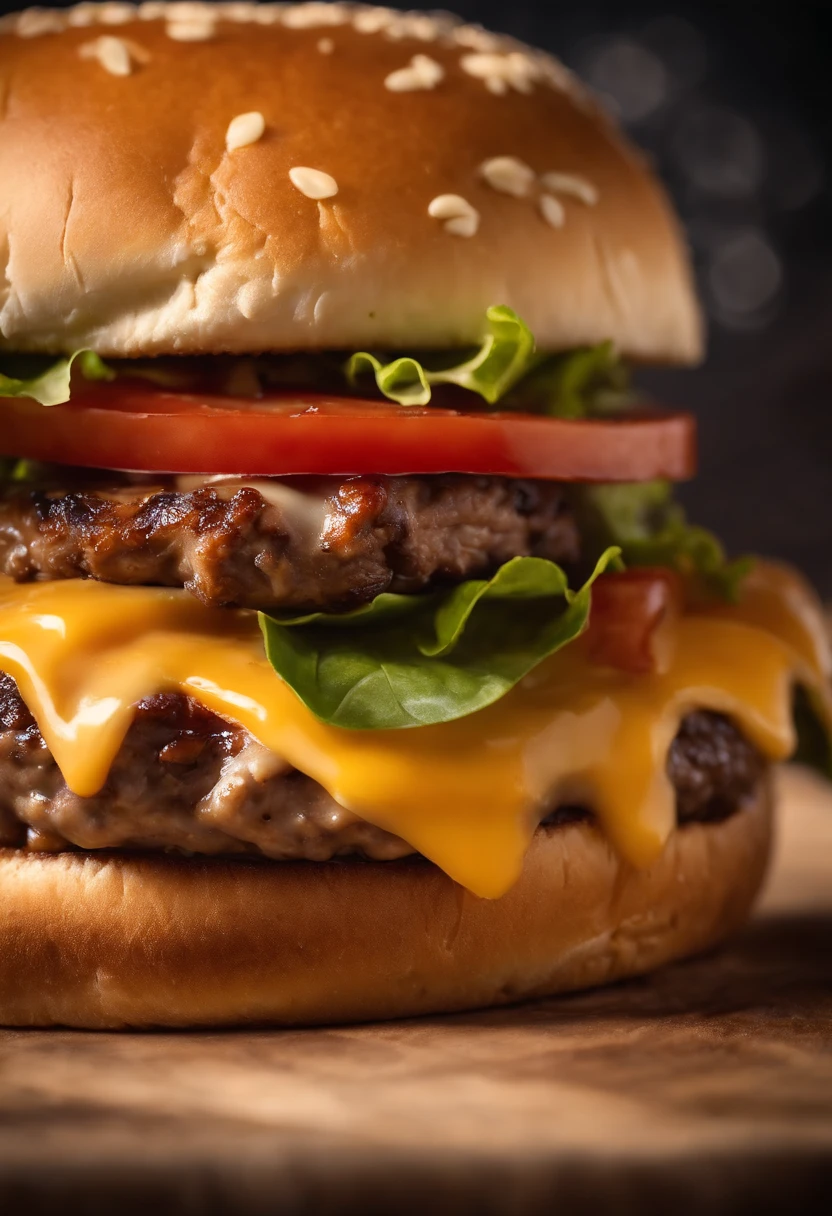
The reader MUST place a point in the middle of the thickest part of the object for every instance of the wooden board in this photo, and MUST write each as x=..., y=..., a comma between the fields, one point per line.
x=705, y=1088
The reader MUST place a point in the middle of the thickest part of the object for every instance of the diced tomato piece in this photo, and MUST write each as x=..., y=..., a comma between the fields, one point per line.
x=628, y=610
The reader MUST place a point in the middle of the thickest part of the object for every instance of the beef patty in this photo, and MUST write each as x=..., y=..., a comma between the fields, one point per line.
x=188, y=780
x=327, y=543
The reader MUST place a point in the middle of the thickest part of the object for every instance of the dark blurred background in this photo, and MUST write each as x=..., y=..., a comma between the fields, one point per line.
x=733, y=99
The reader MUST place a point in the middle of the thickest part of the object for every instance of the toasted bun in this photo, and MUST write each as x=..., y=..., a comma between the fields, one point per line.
x=153, y=941
x=127, y=226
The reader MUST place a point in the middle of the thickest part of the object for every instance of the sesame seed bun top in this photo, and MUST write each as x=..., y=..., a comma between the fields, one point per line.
x=231, y=177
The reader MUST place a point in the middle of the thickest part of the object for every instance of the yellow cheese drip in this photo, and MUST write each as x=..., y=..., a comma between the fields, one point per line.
x=467, y=794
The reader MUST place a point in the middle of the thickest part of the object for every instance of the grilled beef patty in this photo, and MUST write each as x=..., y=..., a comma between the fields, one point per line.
x=325, y=543
x=188, y=780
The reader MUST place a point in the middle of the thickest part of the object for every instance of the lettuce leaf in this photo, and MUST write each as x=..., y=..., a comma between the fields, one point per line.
x=506, y=355
x=50, y=385
x=590, y=382
x=651, y=529
x=505, y=370
x=405, y=661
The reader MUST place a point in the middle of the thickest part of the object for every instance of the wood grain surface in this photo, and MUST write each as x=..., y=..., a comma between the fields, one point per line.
x=706, y=1088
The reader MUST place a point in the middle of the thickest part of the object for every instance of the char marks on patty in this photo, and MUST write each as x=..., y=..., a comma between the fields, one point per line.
x=301, y=545
x=188, y=780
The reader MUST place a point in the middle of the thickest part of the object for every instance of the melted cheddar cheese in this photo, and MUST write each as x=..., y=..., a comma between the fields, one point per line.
x=467, y=794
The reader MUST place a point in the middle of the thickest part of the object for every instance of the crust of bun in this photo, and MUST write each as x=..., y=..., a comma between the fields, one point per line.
x=127, y=226
x=108, y=942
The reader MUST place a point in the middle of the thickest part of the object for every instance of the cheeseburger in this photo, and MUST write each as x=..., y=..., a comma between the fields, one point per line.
x=355, y=659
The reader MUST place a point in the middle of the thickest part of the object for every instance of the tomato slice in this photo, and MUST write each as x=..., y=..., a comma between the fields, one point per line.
x=137, y=427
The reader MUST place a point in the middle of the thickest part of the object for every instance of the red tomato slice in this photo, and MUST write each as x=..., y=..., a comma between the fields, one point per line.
x=138, y=427
x=627, y=612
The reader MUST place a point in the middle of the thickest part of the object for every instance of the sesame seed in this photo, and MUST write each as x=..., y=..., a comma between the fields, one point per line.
x=266, y=14
x=463, y=225
x=422, y=73
x=190, y=30
x=188, y=10
x=508, y=175
x=515, y=70
x=326, y=46
x=116, y=14
x=245, y=129
x=372, y=20
x=395, y=30
x=82, y=15
x=476, y=39
x=482, y=64
x=501, y=63
x=239, y=13
x=423, y=26
x=552, y=211
x=152, y=10
x=522, y=71
x=314, y=183
x=570, y=183
x=460, y=218
x=313, y=15
x=36, y=21
x=112, y=53
x=446, y=206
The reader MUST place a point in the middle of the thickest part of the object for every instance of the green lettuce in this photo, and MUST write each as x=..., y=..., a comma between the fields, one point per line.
x=651, y=529
x=50, y=385
x=406, y=660
x=590, y=382
x=505, y=370
x=506, y=355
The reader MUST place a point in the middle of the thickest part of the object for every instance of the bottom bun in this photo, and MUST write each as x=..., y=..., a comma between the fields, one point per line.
x=104, y=941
